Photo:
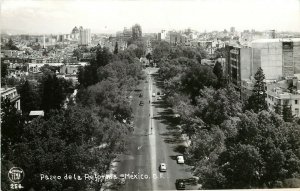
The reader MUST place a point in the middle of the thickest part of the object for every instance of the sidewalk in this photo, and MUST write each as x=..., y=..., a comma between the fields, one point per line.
x=110, y=184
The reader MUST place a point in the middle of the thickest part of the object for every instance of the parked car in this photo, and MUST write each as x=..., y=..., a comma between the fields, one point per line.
x=180, y=185
x=141, y=95
x=153, y=94
x=122, y=179
x=141, y=103
x=162, y=167
x=180, y=159
x=158, y=98
x=176, y=115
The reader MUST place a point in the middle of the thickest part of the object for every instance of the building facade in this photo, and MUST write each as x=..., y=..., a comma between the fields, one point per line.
x=279, y=59
x=84, y=36
x=12, y=95
x=279, y=95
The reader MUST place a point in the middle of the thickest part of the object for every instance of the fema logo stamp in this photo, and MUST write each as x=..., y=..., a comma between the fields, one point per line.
x=16, y=174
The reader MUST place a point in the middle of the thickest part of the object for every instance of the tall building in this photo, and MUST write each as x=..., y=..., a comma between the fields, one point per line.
x=177, y=38
x=279, y=59
x=238, y=64
x=127, y=33
x=84, y=36
x=162, y=35
x=272, y=34
x=232, y=29
x=44, y=42
x=75, y=33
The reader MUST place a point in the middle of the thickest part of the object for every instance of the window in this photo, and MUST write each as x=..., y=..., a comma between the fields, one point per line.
x=296, y=101
x=285, y=102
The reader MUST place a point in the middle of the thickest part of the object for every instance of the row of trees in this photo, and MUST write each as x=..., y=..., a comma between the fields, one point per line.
x=162, y=50
x=10, y=45
x=81, y=138
x=234, y=144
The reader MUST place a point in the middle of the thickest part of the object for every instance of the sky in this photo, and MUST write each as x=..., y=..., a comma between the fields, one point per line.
x=109, y=16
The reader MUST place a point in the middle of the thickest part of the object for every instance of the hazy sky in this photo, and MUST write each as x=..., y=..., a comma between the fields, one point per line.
x=60, y=16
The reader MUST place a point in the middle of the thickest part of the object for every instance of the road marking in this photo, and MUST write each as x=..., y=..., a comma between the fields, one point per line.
x=152, y=140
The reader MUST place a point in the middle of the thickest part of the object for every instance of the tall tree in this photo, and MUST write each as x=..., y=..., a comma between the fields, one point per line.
x=116, y=50
x=161, y=50
x=237, y=158
x=278, y=108
x=87, y=75
x=103, y=57
x=11, y=126
x=257, y=100
x=10, y=45
x=214, y=107
x=196, y=78
x=29, y=98
x=149, y=56
x=287, y=114
x=4, y=71
x=52, y=93
x=218, y=71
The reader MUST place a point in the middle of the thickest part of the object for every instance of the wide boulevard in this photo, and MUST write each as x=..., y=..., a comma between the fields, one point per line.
x=155, y=140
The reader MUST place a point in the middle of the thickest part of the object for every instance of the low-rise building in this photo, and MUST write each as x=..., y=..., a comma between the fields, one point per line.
x=278, y=94
x=12, y=95
x=69, y=69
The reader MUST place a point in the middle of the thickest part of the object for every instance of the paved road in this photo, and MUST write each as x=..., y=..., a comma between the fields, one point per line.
x=150, y=147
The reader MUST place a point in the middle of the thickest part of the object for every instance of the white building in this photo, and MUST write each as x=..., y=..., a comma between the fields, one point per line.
x=278, y=94
x=277, y=57
x=85, y=37
x=163, y=34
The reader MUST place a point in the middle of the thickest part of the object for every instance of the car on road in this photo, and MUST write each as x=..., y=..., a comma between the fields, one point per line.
x=180, y=184
x=122, y=179
x=153, y=94
x=180, y=159
x=158, y=98
x=141, y=103
x=162, y=167
x=176, y=115
x=141, y=95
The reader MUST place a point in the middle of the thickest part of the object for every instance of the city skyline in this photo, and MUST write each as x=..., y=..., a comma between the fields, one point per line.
x=45, y=17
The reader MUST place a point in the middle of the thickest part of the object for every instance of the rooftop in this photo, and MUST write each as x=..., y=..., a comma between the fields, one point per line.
x=276, y=40
x=36, y=113
x=4, y=90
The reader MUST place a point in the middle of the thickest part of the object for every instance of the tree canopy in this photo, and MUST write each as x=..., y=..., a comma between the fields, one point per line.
x=257, y=100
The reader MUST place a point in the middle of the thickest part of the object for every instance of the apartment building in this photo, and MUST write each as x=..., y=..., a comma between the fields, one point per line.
x=279, y=59
x=84, y=36
x=278, y=93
